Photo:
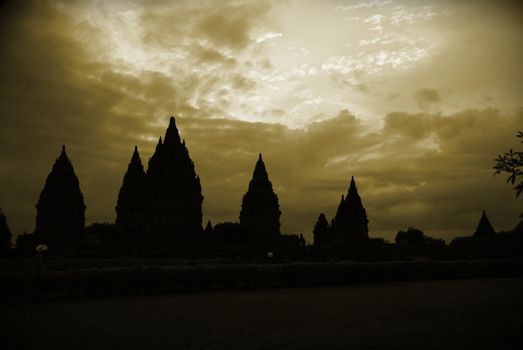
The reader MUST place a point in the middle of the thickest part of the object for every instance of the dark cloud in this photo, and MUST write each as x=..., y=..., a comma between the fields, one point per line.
x=225, y=31
x=226, y=26
x=204, y=55
x=427, y=97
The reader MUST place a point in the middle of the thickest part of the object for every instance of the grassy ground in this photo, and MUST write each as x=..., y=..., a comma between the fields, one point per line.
x=458, y=314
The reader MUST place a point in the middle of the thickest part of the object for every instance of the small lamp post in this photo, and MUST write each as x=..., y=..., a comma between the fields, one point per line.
x=40, y=249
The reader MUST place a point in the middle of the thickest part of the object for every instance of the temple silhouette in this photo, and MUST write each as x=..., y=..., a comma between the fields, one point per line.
x=159, y=213
x=175, y=194
x=131, y=206
x=484, y=228
x=60, y=209
x=260, y=211
x=166, y=201
x=349, y=225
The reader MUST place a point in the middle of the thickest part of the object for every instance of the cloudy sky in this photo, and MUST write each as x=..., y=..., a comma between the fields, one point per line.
x=413, y=98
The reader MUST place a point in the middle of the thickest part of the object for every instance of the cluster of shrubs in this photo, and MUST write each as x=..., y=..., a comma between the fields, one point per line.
x=163, y=279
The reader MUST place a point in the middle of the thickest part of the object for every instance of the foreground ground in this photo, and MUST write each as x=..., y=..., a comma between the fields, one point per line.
x=459, y=314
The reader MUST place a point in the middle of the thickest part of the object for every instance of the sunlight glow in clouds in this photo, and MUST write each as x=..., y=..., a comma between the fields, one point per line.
x=284, y=56
x=286, y=65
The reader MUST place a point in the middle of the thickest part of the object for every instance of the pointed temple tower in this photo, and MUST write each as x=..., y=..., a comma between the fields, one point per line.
x=175, y=190
x=321, y=230
x=351, y=221
x=260, y=210
x=484, y=228
x=132, y=207
x=60, y=209
x=208, y=228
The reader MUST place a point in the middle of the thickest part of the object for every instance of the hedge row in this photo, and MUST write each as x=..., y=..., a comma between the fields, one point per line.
x=157, y=279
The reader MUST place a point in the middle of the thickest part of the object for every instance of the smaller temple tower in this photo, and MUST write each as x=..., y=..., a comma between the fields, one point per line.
x=484, y=228
x=60, y=208
x=349, y=225
x=321, y=230
x=132, y=207
x=351, y=220
x=260, y=211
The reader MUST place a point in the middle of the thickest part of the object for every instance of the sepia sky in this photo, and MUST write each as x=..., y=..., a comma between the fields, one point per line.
x=413, y=98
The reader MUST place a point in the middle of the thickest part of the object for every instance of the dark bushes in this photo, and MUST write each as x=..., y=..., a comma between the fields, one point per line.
x=138, y=280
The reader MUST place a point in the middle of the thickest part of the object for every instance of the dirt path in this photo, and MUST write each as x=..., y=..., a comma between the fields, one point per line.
x=460, y=314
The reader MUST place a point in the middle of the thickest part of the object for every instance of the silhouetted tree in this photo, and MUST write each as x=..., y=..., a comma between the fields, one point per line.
x=5, y=235
x=231, y=231
x=351, y=220
x=260, y=211
x=291, y=240
x=60, y=209
x=103, y=230
x=132, y=205
x=511, y=162
x=25, y=242
x=484, y=228
x=412, y=236
x=321, y=230
x=175, y=190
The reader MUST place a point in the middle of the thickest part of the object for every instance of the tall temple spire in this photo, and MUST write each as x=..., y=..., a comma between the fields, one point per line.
x=61, y=208
x=63, y=158
x=260, y=172
x=175, y=190
x=172, y=135
x=260, y=209
x=135, y=159
x=353, y=191
x=484, y=228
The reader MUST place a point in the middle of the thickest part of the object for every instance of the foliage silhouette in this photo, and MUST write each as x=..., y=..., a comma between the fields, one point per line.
x=511, y=162
x=412, y=236
x=416, y=237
